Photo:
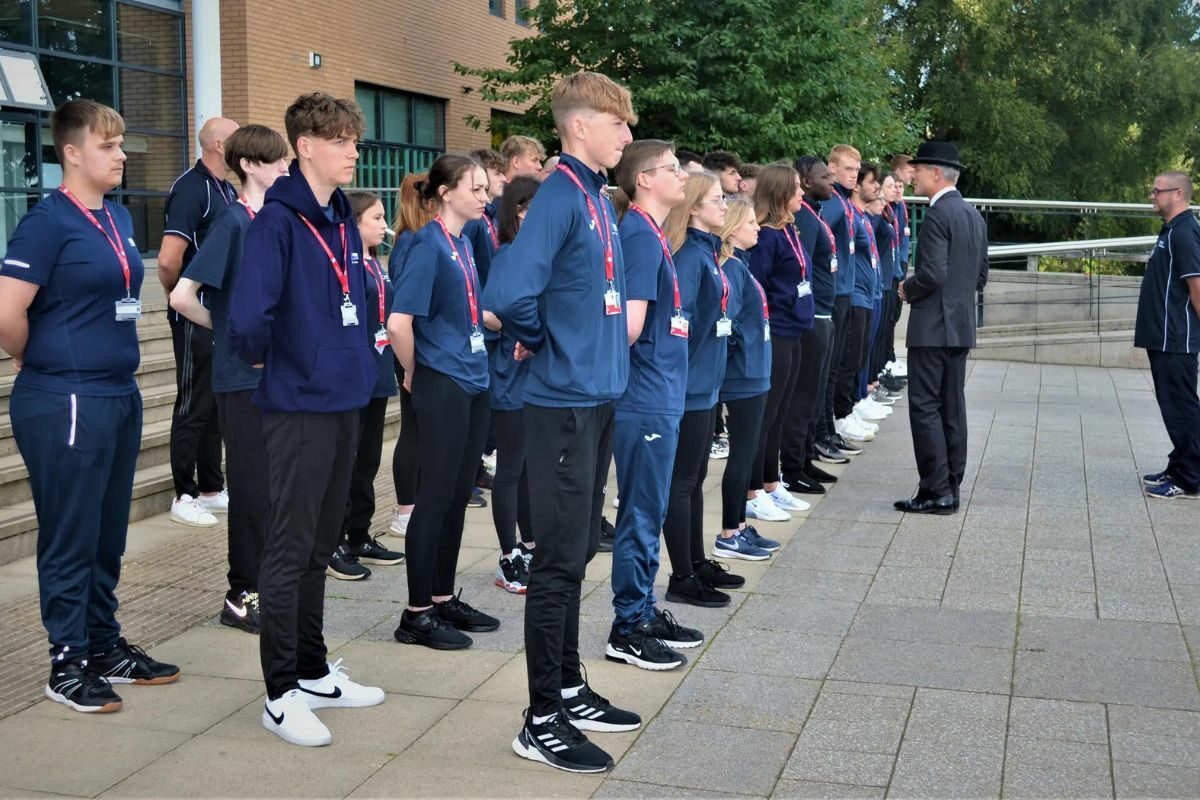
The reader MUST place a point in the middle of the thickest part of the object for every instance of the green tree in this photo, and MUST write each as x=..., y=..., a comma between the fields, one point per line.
x=765, y=78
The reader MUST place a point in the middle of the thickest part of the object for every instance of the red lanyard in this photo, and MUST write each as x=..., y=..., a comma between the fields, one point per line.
x=338, y=270
x=377, y=274
x=789, y=232
x=849, y=209
x=724, y=285
x=246, y=203
x=491, y=229
x=762, y=294
x=824, y=225
x=871, y=241
x=601, y=226
x=116, y=244
x=466, y=273
x=662, y=240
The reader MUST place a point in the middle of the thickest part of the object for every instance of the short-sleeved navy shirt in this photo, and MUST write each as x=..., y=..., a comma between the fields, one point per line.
x=76, y=345
x=198, y=198
x=377, y=275
x=1166, y=319
x=216, y=265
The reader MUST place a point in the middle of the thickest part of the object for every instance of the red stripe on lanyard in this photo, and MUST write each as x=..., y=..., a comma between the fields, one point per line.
x=491, y=229
x=824, y=225
x=467, y=273
x=377, y=274
x=338, y=269
x=724, y=285
x=789, y=231
x=246, y=204
x=662, y=240
x=601, y=225
x=762, y=294
x=871, y=241
x=116, y=244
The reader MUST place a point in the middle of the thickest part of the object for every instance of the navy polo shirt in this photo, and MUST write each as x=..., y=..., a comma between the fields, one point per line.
x=432, y=288
x=385, y=386
x=1166, y=319
x=76, y=345
x=658, y=361
x=216, y=265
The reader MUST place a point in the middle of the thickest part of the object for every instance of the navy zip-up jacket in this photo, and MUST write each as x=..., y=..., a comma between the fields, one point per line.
x=820, y=255
x=774, y=263
x=507, y=384
x=549, y=292
x=834, y=211
x=885, y=240
x=866, y=272
x=700, y=283
x=748, y=373
x=902, y=219
x=285, y=311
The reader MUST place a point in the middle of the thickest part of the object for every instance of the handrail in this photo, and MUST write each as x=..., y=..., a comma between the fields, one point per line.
x=1045, y=248
x=1080, y=206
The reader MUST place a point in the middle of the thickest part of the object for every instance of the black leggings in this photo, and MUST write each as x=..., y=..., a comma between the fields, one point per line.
x=744, y=421
x=450, y=450
x=785, y=369
x=510, y=487
x=405, y=458
x=684, y=526
x=858, y=325
x=360, y=506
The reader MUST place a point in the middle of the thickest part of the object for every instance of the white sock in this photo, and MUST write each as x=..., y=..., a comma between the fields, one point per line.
x=567, y=694
x=540, y=720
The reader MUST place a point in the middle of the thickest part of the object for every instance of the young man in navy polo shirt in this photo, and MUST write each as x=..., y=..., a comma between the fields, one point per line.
x=69, y=289
x=299, y=309
x=1168, y=327
x=523, y=155
x=561, y=291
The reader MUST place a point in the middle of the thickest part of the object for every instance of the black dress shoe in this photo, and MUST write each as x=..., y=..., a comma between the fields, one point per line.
x=608, y=535
x=817, y=474
x=927, y=505
x=800, y=483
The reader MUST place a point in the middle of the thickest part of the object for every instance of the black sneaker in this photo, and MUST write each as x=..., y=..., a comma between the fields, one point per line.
x=608, y=535
x=372, y=552
x=800, y=483
x=695, y=592
x=667, y=628
x=128, y=663
x=560, y=744
x=642, y=648
x=242, y=612
x=511, y=573
x=77, y=687
x=717, y=575
x=456, y=613
x=427, y=628
x=588, y=711
x=476, y=500
x=345, y=567
x=829, y=452
x=484, y=481
x=813, y=472
x=849, y=448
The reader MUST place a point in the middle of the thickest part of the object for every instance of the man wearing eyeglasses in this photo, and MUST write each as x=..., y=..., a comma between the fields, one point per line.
x=1168, y=328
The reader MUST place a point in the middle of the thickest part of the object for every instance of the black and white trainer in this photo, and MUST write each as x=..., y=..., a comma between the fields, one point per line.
x=672, y=634
x=242, y=612
x=560, y=744
x=643, y=649
x=589, y=711
x=128, y=663
x=77, y=687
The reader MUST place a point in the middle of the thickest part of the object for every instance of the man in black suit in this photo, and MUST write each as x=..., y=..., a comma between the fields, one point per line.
x=951, y=267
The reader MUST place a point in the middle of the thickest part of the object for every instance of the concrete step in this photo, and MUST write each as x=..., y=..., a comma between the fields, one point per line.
x=1109, y=348
x=1055, y=328
x=155, y=371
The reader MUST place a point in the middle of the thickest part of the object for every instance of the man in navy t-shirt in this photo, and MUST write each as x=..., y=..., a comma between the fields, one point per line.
x=69, y=289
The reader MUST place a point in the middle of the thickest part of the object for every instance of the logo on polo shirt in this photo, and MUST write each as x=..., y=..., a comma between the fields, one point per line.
x=354, y=258
x=592, y=225
x=132, y=243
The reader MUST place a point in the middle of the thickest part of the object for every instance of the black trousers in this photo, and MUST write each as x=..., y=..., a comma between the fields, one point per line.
x=195, y=429
x=450, y=453
x=360, y=507
x=858, y=326
x=567, y=453
x=310, y=458
x=683, y=528
x=785, y=370
x=744, y=421
x=1175, y=387
x=405, y=458
x=510, y=486
x=820, y=423
x=249, y=488
x=837, y=352
x=809, y=396
x=937, y=413
x=885, y=344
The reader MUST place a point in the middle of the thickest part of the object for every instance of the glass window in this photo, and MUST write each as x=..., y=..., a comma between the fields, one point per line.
x=13, y=206
x=18, y=144
x=366, y=101
x=148, y=38
x=147, y=213
x=153, y=163
x=520, y=11
x=82, y=27
x=496, y=8
x=427, y=122
x=395, y=117
x=16, y=22
x=69, y=79
x=151, y=101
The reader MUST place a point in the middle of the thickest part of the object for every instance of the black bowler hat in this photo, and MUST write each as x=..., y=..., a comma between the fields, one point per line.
x=940, y=154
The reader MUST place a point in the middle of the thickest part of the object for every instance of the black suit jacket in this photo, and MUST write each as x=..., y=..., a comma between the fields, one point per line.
x=951, y=267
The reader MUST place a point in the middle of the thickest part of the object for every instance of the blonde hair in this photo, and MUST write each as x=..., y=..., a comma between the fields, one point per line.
x=70, y=123
x=518, y=145
x=773, y=192
x=590, y=91
x=841, y=152
x=740, y=209
x=680, y=217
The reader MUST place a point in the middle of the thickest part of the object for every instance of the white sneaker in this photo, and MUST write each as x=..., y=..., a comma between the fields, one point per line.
x=489, y=462
x=215, y=503
x=862, y=424
x=847, y=428
x=187, y=511
x=868, y=412
x=787, y=501
x=875, y=405
x=399, y=526
x=764, y=508
x=616, y=501
x=899, y=368
x=291, y=719
x=336, y=690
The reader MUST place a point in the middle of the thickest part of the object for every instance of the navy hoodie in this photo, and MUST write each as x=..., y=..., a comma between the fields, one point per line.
x=549, y=292
x=285, y=309
x=837, y=212
x=703, y=284
x=814, y=235
x=774, y=263
x=748, y=373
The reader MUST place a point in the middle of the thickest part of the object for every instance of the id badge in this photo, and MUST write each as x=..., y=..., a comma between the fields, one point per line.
x=724, y=326
x=349, y=314
x=477, y=345
x=679, y=326
x=875, y=264
x=851, y=247
x=381, y=340
x=803, y=289
x=612, y=302
x=129, y=309
x=833, y=264
x=907, y=232
x=766, y=331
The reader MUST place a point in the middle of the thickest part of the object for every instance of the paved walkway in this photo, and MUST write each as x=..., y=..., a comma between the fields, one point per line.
x=1043, y=642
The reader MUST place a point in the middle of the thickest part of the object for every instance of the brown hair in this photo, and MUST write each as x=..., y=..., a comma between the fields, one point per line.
x=680, y=217
x=773, y=192
x=490, y=159
x=258, y=144
x=71, y=121
x=738, y=211
x=412, y=212
x=900, y=161
x=447, y=171
x=843, y=151
x=637, y=157
x=520, y=145
x=721, y=160
x=360, y=202
x=750, y=170
x=323, y=116
x=590, y=91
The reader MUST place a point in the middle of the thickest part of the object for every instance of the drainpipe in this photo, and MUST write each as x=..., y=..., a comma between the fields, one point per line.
x=206, y=59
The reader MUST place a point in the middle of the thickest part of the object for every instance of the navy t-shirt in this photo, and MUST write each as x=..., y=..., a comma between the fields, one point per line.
x=1166, y=319
x=376, y=275
x=432, y=287
x=76, y=345
x=658, y=361
x=197, y=200
x=216, y=265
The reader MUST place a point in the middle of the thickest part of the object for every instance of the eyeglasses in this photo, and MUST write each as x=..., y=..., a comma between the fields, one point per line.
x=674, y=166
x=1155, y=192
x=723, y=200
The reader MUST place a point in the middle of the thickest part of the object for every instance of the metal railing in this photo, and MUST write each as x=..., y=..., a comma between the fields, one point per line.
x=382, y=166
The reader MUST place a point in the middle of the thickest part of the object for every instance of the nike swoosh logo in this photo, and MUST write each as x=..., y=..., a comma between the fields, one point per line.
x=635, y=651
x=652, y=437
x=240, y=612
x=336, y=693
x=277, y=720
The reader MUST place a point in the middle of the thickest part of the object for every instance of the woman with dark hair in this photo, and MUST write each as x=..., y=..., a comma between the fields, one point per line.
x=436, y=330
x=510, y=487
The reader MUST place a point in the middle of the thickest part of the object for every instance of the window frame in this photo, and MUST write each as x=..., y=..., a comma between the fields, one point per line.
x=380, y=135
